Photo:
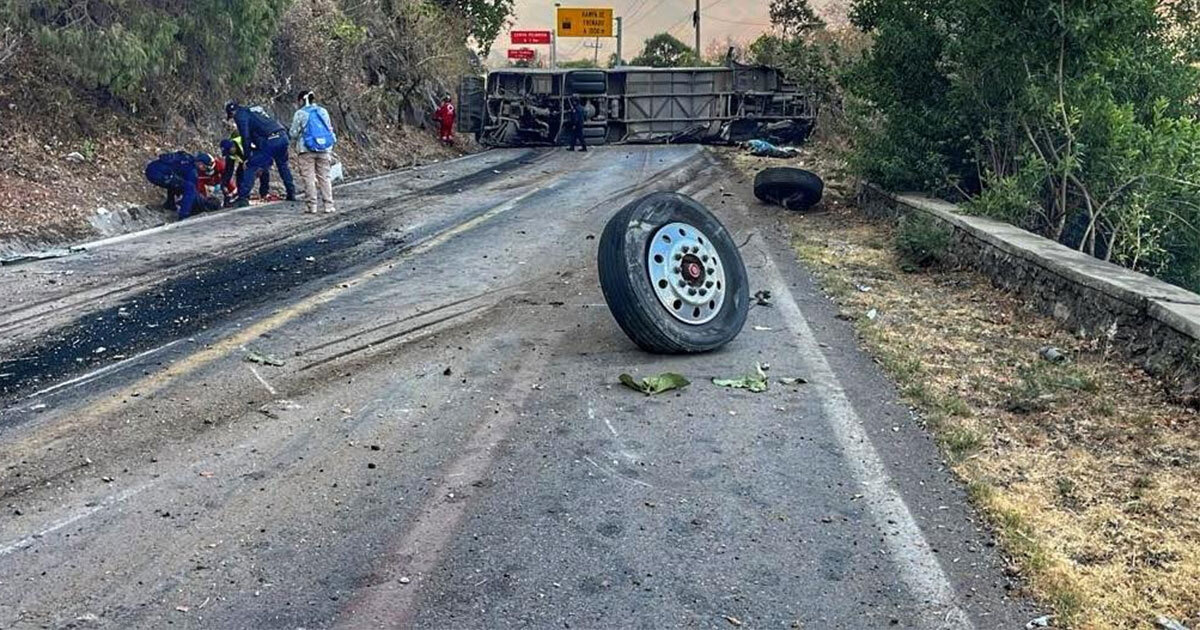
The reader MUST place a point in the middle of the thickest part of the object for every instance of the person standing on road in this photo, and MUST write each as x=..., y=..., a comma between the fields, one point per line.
x=268, y=144
x=445, y=115
x=577, y=114
x=312, y=134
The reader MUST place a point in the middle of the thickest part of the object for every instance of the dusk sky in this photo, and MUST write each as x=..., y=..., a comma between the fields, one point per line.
x=742, y=20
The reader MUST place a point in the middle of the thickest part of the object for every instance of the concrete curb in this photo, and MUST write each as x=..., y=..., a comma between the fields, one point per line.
x=1156, y=324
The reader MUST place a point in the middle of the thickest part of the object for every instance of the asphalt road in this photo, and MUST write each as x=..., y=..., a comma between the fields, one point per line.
x=445, y=444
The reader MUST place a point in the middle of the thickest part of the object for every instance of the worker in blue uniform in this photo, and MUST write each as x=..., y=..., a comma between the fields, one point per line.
x=177, y=173
x=268, y=143
x=235, y=166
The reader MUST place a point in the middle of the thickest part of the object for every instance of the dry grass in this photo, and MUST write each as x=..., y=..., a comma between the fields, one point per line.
x=1090, y=476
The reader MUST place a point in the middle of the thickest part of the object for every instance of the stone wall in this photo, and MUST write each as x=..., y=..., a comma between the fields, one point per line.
x=1155, y=324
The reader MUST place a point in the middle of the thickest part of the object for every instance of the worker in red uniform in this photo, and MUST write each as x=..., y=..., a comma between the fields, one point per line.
x=445, y=115
x=210, y=177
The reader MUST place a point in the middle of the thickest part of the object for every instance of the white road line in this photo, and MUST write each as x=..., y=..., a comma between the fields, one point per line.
x=82, y=514
x=91, y=376
x=262, y=380
x=911, y=553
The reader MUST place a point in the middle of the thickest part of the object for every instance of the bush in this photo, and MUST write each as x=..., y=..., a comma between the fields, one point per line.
x=1075, y=120
x=923, y=242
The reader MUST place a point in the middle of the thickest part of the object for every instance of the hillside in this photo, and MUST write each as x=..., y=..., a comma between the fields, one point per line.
x=89, y=94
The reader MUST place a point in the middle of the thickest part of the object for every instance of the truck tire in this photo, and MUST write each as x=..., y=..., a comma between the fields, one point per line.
x=793, y=188
x=587, y=82
x=672, y=276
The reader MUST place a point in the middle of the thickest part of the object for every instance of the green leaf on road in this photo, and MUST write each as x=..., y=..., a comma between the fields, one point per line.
x=652, y=385
x=756, y=382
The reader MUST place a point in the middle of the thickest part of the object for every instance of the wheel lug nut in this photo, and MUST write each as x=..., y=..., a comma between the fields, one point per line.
x=678, y=270
x=682, y=284
x=678, y=256
x=703, y=292
x=711, y=270
x=708, y=285
x=691, y=292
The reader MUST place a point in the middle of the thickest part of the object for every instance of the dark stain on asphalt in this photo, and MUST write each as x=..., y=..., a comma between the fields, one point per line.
x=184, y=306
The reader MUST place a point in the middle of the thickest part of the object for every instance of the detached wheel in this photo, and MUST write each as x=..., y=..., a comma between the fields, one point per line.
x=793, y=188
x=672, y=275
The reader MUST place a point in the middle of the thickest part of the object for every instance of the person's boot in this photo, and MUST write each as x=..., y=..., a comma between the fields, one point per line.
x=242, y=202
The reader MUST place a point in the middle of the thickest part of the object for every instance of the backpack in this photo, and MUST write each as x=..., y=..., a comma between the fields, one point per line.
x=317, y=135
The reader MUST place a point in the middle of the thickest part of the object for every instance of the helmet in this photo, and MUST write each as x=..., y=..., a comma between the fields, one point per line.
x=226, y=146
x=205, y=161
x=230, y=107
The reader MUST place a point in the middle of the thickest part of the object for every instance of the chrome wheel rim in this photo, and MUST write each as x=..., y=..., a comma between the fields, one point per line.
x=686, y=273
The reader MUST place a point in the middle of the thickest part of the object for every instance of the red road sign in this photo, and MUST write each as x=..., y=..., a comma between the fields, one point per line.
x=531, y=37
x=523, y=54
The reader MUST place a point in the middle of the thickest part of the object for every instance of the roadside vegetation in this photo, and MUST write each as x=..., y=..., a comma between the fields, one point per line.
x=1078, y=122
x=1084, y=468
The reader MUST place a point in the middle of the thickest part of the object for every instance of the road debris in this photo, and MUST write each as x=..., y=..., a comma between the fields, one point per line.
x=793, y=381
x=1053, y=355
x=873, y=314
x=733, y=621
x=1167, y=623
x=658, y=384
x=755, y=382
x=762, y=298
x=405, y=579
x=254, y=356
x=1039, y=622
x=763, y=328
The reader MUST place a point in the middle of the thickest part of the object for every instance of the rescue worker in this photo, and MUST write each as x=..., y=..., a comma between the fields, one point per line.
x=445, y=115
x=577, y=114
x=268, y=144
x=235, y=163
x=314, y=139
x=178, y=173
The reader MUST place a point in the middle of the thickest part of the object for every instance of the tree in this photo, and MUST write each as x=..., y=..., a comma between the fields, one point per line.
x=665, y=51
x=578, y=63
x=486, y=19
x=1070, y=119
x=794, y=18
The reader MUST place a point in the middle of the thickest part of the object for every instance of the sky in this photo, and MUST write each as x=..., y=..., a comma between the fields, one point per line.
x=742, y=20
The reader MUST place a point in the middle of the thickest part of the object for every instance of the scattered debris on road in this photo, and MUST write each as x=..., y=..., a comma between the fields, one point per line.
x=762, y=298
x=254, y=356
x=755, y=382
x=733, y=621
x=1053, y=355
x=793, y=381
x=762, y=328
x=1039, y=622
x=1166, y=623
x=652, y=385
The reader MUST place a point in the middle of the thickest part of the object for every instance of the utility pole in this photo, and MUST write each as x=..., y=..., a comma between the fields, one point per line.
x=554, y=37
x=620, y=60
x=696, y=21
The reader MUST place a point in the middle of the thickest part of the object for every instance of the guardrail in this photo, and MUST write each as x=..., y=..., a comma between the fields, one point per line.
x=1157, y=325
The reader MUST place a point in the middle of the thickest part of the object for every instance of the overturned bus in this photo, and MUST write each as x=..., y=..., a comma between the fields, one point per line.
x=530, y=107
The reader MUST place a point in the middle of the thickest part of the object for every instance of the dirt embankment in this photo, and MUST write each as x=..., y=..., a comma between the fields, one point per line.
x=73, y=168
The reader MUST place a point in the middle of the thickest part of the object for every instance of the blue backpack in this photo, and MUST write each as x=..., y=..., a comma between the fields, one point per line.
x=317, y=135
